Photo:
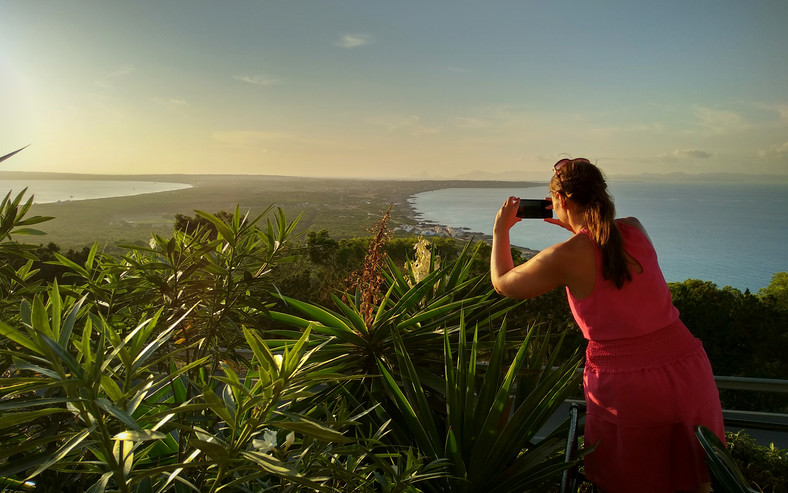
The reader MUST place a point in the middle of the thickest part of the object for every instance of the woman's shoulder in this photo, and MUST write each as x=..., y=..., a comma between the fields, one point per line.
x=630, y=221
x=579, y=244
x=634, y=223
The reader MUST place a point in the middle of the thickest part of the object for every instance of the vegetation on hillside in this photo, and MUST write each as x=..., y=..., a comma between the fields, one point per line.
x=233, y=355
x=181, y=365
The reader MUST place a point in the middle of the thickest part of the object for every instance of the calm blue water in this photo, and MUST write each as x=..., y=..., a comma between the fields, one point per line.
x=728, y=233
x=48, y=191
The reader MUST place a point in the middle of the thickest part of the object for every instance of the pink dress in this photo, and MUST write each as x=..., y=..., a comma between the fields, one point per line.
x=647, y=382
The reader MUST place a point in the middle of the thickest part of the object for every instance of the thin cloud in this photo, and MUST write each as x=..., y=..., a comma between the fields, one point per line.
x=354, y=40
x=470, y=122
x=777, y=152
x=718, y=121
x=250, y=138
x=120, y=72
x=258, y=80
x=411, y=124
x=686, y=154
x=171, y=102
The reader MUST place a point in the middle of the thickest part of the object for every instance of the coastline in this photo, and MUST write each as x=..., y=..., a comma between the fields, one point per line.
x=429, y=228
x=346, y=208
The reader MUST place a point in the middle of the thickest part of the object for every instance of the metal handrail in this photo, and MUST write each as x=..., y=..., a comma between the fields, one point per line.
x=754, y=384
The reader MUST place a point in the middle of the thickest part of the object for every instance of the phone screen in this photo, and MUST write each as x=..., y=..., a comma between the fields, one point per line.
x=534, y=208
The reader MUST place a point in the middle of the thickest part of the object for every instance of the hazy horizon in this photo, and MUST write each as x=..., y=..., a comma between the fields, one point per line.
x=406, y=90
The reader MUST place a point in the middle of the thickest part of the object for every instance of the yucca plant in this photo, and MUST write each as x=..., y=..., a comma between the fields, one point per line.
x=487, y=428
x=418, y=313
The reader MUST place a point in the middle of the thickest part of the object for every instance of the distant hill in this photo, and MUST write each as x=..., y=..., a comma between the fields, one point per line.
x=702, y=177
x=661, y=177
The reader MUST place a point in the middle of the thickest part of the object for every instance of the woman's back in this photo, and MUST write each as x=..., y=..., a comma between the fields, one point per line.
x=642, y=306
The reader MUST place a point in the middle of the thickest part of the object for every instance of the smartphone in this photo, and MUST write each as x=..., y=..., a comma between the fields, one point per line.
x=535, y=208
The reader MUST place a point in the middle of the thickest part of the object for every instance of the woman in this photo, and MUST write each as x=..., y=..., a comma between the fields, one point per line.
x=647, y=380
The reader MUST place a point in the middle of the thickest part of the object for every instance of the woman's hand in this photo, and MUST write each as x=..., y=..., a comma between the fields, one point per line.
x=554, y=220
x=558, y=222
x=507, y=215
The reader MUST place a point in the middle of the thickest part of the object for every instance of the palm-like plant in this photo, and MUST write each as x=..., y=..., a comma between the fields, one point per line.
x=492, y=414
x=419, y=314
x=482, y=422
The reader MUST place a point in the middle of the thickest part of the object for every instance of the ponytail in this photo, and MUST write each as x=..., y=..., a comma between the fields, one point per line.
x=600, y=221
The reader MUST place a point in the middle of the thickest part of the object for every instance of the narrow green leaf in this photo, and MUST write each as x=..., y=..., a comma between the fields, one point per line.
x=19, y=338
x=72, y=265
x=217, y=405
x=140, y=435
x=64, y=356
x=224, y=231
x=321, y=315
x=8, y=420
x=68, y=327
x=62, y=452
x=352, y=315
x=403, y=405
x=40, y=318
x=111, y=388
x=120, y=414
x=269, y=464
x=213, y=450
x=313, y=429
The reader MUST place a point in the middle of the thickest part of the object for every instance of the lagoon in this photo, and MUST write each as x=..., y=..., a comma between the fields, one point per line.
x=729, y=233
x=51, y=191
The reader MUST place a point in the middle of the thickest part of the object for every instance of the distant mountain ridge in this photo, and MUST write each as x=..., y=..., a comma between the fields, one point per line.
x=480, y=177
x=661, y=177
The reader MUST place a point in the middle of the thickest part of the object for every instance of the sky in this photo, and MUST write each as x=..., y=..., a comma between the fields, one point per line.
x=394, y=89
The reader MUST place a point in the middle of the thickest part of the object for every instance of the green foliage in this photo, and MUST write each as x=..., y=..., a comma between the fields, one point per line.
x=766, y=468
x=777, y=290
x=167, y=369
x=744, y=335
x=492, y=414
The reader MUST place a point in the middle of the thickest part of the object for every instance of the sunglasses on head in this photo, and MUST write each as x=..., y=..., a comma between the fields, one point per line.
x=560, y=164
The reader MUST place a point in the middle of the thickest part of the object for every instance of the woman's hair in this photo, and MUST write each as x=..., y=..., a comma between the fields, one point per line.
x=584, y=183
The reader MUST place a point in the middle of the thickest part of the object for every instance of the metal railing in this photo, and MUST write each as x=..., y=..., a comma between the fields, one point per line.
x=754, y=419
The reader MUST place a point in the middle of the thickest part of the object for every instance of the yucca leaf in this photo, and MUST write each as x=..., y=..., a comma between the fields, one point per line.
x=412, y=384
x=453, y=452
x=412, y=420
x=433, y=313
x=21, y=364
x=3, y=158
x=352, y=315
x=318, y=314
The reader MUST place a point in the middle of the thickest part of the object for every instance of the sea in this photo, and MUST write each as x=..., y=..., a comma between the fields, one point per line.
x=50, y=191
x=732, y=234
